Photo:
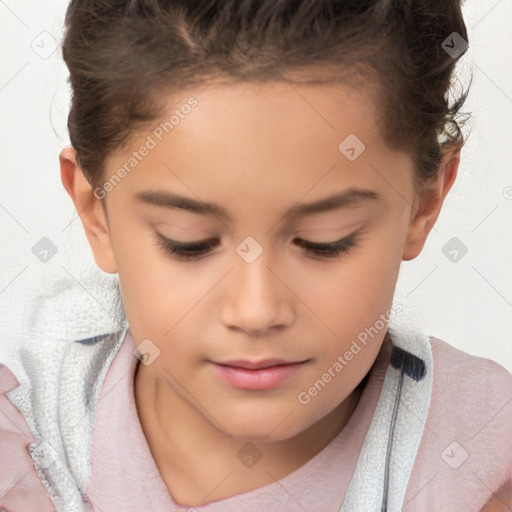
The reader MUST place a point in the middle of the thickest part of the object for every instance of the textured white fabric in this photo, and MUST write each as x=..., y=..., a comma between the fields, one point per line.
x=366, y=488
x=60, y=378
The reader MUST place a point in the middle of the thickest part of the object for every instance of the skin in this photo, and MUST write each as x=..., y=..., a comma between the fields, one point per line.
x=501, y=500
x=257, y=150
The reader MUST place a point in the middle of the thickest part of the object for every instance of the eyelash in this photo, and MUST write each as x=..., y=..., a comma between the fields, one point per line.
x=194, y=250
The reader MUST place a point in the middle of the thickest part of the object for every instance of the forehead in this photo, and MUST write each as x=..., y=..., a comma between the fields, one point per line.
x=277, y=138
x=258, y=112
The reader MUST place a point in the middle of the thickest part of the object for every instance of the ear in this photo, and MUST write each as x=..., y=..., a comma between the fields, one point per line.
x=89, y=208
x=428, y=203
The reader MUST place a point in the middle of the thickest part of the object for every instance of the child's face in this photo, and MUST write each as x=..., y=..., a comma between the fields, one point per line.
x=258, y=152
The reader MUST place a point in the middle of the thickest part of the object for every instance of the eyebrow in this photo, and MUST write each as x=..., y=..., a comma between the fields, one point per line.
x=349, y=197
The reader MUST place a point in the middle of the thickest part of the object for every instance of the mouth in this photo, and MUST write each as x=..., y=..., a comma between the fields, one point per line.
x=258, y=375
x=258, y=365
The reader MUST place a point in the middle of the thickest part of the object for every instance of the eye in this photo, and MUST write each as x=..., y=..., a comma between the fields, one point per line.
x=186, y=252
x=194, y=250
x=331, y=249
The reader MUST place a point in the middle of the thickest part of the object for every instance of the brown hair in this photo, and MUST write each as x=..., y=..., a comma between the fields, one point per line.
x=125, y=56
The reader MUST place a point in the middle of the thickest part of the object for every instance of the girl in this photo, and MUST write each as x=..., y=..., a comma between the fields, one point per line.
x=255, y=172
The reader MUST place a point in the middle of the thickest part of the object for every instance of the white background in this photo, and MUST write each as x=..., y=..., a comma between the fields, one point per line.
x=467, y=303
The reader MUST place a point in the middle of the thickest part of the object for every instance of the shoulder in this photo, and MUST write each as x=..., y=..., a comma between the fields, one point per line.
x=20, y=486
x=48, y=397
x=464, y=454
x=459, y=374
x=471, y=396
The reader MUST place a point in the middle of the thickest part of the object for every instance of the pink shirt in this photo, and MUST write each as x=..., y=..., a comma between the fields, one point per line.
x=469, y=420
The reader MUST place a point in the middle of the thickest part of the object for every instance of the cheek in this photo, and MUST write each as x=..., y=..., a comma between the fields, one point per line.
x=349, y=295
x=156, y=293
x=354, y=301
x=159, y=299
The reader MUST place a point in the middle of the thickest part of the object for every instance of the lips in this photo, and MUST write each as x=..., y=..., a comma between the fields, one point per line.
x=257, y=365
x=257, y=375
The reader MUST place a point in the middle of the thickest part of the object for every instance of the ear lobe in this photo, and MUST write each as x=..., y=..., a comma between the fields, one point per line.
x=428, y=203
x=89, y=209
x=420, y=225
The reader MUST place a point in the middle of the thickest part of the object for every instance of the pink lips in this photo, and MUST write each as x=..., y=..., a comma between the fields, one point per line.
x=261, y=375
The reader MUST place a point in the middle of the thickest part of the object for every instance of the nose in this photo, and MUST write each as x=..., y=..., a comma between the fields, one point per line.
x=258, y=301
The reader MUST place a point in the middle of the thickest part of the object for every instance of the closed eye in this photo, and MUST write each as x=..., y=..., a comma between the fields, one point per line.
x=331, y=249
x=194, y=250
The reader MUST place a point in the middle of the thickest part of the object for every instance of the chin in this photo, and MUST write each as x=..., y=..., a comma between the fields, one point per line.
x=258, y=428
